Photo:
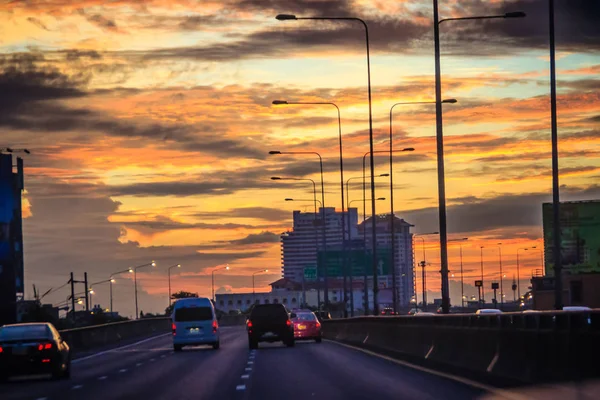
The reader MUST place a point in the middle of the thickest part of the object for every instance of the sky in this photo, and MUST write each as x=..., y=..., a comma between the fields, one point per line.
x=150, y=122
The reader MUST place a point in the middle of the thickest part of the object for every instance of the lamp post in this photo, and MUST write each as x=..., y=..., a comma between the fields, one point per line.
x=151, y=264
x=129, y=270
x=501, y=277
x=518, y=270
x=323, y=227
x=287, y=17
x=462, y=281
x=482, y=285
x=91, y=289
x=316, y=243
x=169, y=274
x=213, y=278
x=253, y=291
x=284, y=102
x=440, y=143
x=423, y=263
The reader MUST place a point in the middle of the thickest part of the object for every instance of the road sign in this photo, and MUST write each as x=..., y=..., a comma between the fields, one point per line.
x=357, y=261
x=478, y=283
x=310, y=273
x=495, y=285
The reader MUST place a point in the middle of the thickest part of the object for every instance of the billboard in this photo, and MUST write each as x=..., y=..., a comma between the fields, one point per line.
x=580, y=236
x=357, y=260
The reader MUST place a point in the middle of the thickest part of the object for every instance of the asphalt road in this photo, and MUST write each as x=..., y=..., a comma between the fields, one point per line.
x=151, y=370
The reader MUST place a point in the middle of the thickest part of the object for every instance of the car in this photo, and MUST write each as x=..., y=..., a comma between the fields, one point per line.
x=323, y=315
x=388, y=311
x=306, y=326
x=194, y=322
x=576, y=308
x=488, y=311
x=270, y=323
x=33, y=348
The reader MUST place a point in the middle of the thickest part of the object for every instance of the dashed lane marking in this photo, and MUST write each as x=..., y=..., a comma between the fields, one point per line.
x=101, y=378
x=250, y=362
x=152, y=359
x=119, y=348
x=77, y=387
x=138, y=364
x=240, y=387
x=248, y=369
x=123, y=370
x=245, y=376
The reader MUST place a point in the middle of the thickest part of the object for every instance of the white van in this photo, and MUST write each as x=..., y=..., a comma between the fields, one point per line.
x=194, y=322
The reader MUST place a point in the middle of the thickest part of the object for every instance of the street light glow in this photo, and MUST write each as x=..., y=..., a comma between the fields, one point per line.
x=227, y=267
x=131, y=270
x=112, y=280
x=153, y=263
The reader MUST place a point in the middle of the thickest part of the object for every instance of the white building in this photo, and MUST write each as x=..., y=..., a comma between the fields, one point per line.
x=403, y=257
x=299, y=246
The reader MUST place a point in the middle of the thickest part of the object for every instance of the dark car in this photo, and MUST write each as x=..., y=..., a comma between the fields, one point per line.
x=34, y=348
x=270, y=323
x=388, y=311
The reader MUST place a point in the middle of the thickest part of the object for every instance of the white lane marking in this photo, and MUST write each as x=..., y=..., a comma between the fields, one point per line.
x=123, y=370
x=250, y=362
x=77, y=387
x=248, y=369
x=101, y=378
x=152, y=359
x=245, y=376
x=118, y=348
x=498, y=392
x=163, y=356
x=240, y=387
x=138, y=364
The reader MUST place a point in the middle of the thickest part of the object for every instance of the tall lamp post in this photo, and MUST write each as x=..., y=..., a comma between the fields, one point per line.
x=518, y=270
x=423, y=263
x=151, y=264
x=226, y=267
x=501, y=277
x=91, y=289
x=323, y=224
x=462, y=281
x=129, y=270
x=287, y=17
x=482, y=282
x=253, y=291
x=440, y=143
x=328, y=103
x=169, y=274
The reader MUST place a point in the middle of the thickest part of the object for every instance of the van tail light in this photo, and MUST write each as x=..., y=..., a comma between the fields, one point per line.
x=174, y=328
x=215, y=326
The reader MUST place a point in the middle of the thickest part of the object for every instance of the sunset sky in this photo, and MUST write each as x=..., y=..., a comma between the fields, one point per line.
x=150, y=122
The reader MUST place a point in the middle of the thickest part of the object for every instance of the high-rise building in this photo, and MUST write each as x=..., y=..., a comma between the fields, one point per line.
x=403, y=249
x=299, y=246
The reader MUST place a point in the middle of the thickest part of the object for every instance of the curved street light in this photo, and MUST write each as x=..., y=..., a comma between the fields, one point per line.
x=169, y=274
x=128, y=270
x=150, y=264
x=226, y=267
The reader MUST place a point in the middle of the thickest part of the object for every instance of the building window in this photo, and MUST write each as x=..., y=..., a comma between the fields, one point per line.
x=275, y=301
x=266, y=301
x=293, y=300
x=221, y=303
x=284, y=301
x=257, y=301
x=229, y=302
x=248, y=301
x=239, y=302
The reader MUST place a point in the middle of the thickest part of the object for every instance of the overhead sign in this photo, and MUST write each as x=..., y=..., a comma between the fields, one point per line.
x=358, y=262
x=495, y=285
x=478, y=283
x=310, y=273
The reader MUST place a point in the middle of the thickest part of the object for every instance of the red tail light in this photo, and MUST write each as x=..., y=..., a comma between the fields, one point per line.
x=249, y=324
x=288, y=322
x=44, y=346
x=46, y=360
x=215, y=326
x=318, y=324
x=174, y=329
x=1, y=349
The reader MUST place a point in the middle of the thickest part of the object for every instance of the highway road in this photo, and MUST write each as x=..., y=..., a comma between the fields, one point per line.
x=151, y=370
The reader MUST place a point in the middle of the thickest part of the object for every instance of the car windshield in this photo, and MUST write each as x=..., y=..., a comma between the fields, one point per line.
x=189, y=314
x=305, y=317
x=25, y=332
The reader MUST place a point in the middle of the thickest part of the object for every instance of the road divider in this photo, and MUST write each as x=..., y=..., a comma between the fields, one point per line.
x=506, y=348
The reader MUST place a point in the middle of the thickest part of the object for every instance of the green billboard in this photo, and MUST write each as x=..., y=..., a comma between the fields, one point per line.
x=356, y=261
x=580, y=236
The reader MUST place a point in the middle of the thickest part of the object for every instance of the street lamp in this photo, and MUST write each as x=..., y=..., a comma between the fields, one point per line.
x=213, y=278
x=501, y=277
x=365, y=280
x=462, y=281
x=423, y=263
x=129, y=270
x=91, y=289
x=328, y=103
x=518, y=272
x=151, y=264
x=253, y=291
x=482, y=285
x=287, y=17
x=440, y=143
x=169, y=274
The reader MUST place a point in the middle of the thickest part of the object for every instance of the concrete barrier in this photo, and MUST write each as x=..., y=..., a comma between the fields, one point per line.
x=507, y=348
x=81, y=339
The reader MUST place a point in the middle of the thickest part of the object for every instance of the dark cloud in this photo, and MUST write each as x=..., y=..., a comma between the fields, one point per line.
x=264, y=213
x=167, y=224
x=306, y=8
x=38, y=23
x=257, y=238
x=100, y=21
x=480, y=214
x=582, y=85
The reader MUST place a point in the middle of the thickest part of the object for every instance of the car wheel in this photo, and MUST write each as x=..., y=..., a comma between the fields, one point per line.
x=290, y=343
x=318, y=340
x=216, y=345
x=177, y=347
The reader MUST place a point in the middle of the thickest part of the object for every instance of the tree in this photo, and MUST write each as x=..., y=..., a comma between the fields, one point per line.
x=179, y=295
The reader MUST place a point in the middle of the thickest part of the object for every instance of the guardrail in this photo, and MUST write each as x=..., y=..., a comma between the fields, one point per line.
x=81, y=339
x=511, y=347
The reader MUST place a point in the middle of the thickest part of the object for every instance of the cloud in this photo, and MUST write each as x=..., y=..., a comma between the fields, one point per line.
x=37, y=22
x=258, y=238
x=264, y=213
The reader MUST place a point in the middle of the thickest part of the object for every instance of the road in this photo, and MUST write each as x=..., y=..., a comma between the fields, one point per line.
x=151, y=370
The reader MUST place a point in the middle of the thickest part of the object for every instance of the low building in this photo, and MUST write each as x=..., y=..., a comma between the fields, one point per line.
x=578, y=290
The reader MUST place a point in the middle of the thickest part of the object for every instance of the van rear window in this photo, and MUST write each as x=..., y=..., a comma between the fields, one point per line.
x=189, y=314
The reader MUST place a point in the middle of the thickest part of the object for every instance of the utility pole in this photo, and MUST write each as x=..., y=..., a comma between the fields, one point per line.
x=87, y=293
x=424, y=286
x=72, y=282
